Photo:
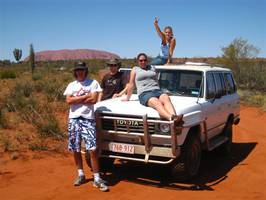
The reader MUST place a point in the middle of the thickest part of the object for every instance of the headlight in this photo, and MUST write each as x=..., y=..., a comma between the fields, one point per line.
x=165, y=128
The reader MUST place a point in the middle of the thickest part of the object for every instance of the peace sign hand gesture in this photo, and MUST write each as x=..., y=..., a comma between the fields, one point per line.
x=156, y=20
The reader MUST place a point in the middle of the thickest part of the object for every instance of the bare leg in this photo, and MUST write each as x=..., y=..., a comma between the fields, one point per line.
x=157, y=105
x=168, y=106
x=78, y=160
x=94, y=161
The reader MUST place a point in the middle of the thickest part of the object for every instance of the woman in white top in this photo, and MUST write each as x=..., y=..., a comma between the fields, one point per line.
x=167, y=45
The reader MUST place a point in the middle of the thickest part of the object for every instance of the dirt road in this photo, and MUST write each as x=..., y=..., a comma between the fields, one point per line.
x=239, y=176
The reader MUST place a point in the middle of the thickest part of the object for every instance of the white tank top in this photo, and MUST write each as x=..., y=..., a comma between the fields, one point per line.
x=165, y=50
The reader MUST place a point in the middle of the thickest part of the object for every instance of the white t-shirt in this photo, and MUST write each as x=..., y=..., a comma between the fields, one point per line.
x=77, y=88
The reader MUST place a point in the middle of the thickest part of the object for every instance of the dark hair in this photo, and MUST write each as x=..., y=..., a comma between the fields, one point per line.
x=80, y=66
x=142, y=54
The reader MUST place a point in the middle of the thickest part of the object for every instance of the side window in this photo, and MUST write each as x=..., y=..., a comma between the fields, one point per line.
x=223, y=83
x=210, y=90
x=230, y=84
x=220, y=90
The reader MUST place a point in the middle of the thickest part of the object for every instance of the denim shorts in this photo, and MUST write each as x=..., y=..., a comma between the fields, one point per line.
x=81, y=129
x=145, y=96
x=159, y=60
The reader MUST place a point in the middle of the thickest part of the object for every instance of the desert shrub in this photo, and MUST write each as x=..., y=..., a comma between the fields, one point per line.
x=17, y=101
x=49, y=128
x=3, y=121
x=38, y=86
x=38, y=146
x=6, y=143
x=257, y=100
x=8, y=74
x=54, y=90
x=36, y=77
x=254, y=98
x=24, y=88
x=43, y=118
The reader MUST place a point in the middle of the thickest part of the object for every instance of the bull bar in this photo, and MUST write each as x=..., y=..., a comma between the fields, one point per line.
x=147, y=149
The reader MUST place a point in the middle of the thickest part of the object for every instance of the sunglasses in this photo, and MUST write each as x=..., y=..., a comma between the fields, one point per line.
x=112, y=65
x=144, y=60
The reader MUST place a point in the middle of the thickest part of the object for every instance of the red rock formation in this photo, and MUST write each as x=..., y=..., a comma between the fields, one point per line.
x=75, y=54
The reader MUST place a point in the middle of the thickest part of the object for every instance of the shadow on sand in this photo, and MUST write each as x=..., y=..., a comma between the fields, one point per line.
x=214, y=169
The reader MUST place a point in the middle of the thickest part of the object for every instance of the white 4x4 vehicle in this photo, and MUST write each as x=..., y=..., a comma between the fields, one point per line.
x=206, y=96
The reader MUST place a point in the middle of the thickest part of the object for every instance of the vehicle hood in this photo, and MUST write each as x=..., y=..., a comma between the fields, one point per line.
x=182, y=105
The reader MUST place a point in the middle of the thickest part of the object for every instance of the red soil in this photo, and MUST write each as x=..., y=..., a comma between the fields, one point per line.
x=239, y=176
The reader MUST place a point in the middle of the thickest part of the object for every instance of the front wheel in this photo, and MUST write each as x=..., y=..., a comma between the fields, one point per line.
x=188, y=164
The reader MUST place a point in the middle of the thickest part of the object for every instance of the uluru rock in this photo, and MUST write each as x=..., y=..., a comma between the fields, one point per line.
x=75, y=54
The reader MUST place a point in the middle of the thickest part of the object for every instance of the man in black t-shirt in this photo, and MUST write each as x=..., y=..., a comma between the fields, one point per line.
x=113, y=83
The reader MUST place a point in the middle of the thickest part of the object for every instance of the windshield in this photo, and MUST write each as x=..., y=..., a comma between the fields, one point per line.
x=181, y=82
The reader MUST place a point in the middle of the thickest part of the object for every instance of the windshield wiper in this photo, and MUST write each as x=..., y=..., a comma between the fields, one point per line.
x=173, y=93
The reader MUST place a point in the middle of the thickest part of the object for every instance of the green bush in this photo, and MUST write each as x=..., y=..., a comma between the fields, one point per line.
x=54, y=90
x=257, y=100
x=48, y=127
x=253, y=98
x=38, y=86
x=24, y=88
x=36, y=77
x=8, y=74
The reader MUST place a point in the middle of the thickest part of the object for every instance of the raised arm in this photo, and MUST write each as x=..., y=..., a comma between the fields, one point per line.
x=160, y=33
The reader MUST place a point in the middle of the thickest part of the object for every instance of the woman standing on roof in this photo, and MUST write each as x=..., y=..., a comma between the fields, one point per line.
x=167, y=45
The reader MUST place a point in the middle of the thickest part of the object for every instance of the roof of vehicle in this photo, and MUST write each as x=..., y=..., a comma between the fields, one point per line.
x=193, y=66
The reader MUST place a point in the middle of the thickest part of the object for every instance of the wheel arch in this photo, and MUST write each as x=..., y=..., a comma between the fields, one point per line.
x=193, y=131
x=230, y=119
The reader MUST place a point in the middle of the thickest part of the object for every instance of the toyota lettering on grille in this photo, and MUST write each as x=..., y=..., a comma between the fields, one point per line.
x=129, y=122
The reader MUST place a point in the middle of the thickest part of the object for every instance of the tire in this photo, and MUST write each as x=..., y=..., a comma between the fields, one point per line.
x=226, y=148
x=187, y=165
x=105, y=164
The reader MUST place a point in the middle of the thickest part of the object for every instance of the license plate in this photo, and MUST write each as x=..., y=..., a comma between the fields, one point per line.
x=121, y=148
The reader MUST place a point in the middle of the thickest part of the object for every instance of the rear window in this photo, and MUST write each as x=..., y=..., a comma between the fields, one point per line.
x=229, y=83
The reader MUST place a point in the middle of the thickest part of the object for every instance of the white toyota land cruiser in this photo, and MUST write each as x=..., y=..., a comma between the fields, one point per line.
x=206, y=96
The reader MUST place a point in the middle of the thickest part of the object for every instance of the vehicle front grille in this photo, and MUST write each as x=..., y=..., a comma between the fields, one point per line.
x=126, y=125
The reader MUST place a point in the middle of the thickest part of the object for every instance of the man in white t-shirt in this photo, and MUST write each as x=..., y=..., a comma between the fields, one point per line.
x=81, y=95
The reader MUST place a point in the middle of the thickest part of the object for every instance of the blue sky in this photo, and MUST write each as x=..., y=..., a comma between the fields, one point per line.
x=125, y=27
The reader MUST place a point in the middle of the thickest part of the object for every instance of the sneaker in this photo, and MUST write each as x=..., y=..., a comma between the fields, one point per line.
x=101, y=184
x=80, y=180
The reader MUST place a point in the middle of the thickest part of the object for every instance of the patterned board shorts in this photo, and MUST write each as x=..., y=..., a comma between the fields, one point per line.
x=81, y=129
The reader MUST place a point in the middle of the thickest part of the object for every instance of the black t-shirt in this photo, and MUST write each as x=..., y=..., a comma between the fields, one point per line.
x=112, y=84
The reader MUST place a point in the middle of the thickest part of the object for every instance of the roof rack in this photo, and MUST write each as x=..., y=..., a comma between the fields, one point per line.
x=198, y=64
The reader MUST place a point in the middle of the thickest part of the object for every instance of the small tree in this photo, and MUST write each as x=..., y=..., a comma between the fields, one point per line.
x=238, y=55
x=32, y=58
x=17, y=54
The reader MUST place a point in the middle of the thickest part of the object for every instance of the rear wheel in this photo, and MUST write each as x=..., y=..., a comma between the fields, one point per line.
x=226, y=148
x=188, y=164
